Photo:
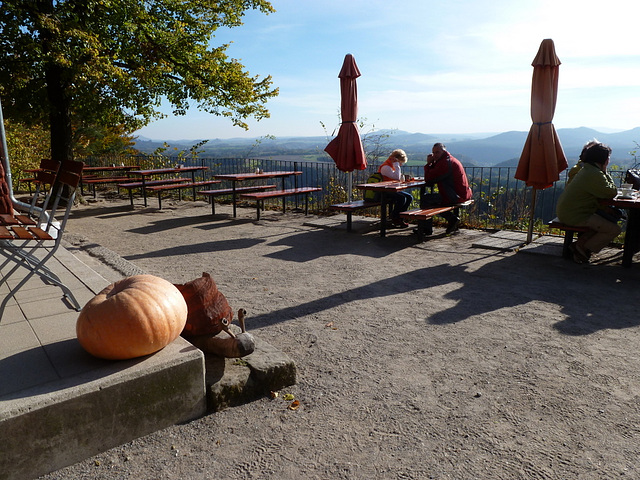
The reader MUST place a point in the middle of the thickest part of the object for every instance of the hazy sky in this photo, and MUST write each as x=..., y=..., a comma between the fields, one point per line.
x=447, y=66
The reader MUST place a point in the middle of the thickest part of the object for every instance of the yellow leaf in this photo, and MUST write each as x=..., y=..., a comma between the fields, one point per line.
x=288, y=397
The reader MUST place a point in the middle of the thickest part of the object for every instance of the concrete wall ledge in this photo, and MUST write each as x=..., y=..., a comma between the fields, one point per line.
x=61, y=423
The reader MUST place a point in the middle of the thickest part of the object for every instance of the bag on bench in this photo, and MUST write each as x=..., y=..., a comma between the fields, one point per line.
x=610, y=213
x=370, y=195
x=632, y=176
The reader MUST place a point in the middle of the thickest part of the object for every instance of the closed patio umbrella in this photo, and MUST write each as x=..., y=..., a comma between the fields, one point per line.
x=542, y=157
x=346, y=149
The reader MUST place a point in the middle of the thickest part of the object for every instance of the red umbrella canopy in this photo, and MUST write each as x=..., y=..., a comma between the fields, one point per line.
x=5, y=199
x=542, y=157
x=346, y=149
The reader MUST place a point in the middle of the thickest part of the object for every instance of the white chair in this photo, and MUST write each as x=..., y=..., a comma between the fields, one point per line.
x=29, y=241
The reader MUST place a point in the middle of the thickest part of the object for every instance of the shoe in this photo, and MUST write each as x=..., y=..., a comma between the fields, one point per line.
x=400, y=224
x=453, y=226
x=425, y=233
x=584, y=252
x=578, y=256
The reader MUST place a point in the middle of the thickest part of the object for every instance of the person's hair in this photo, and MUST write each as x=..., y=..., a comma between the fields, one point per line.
x=598, y=153
x=399, y=154
x=586, y=146
x=441, y=145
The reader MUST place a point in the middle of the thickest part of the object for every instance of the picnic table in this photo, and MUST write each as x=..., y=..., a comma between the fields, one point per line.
x=234, y=178
x=145, y=175
x=105, y=174
x=385, y=189
x=632, y=232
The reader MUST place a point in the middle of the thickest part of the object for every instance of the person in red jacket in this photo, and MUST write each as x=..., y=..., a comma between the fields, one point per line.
x=445, y=171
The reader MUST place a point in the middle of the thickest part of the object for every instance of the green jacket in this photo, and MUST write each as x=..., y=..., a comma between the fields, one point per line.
x=581, y=197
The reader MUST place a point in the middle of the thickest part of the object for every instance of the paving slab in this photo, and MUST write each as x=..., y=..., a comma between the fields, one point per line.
x=502, y=240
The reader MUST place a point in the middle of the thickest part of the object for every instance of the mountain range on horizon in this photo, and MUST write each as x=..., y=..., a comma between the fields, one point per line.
x=502, y=149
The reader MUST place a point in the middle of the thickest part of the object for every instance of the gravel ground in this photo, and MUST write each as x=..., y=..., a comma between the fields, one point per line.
x=437, y=360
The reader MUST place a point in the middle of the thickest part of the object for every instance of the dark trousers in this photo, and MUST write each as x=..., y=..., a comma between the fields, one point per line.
x=401, y=203
x=435, y=200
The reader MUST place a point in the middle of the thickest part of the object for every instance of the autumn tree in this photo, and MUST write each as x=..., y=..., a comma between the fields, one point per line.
x=106, y=63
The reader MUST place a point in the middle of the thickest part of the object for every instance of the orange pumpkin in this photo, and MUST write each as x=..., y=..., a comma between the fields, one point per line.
x=132, y=317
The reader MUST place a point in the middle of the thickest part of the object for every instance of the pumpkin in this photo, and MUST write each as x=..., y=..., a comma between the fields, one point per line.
x=209, y=310
x=132, y=317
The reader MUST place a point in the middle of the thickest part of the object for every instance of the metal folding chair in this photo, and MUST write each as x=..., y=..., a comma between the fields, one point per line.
x=30, y=242
x=43, y=180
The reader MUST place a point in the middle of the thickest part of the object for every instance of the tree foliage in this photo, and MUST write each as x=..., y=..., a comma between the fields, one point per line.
x=71, y=64
x=28, y=145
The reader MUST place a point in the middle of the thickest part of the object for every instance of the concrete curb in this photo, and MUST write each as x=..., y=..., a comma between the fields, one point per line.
x=234, y=381
x=60, y=423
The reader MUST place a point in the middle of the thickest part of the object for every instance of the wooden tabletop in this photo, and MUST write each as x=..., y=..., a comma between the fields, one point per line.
x=623, y=202
x=253, y=175
x=111, y=168
x=159, y=171
x=391, y=186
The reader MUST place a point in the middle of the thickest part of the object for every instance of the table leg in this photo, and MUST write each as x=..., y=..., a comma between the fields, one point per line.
x=631, y=236
x=284, y=199
x=383, y=214
x=233, y=196
x=144, y=191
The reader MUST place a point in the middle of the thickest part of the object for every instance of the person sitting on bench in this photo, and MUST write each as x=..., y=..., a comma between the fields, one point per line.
x=579, y=203
x=391, y=169
x=445, y=171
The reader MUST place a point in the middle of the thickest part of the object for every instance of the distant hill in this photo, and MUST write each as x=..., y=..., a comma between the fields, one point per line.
x=501, y=149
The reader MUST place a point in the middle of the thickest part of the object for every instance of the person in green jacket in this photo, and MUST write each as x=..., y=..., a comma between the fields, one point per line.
x=580, y=201
x=576, y=168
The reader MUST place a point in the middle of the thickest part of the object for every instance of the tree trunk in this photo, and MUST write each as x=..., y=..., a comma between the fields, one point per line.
x=60, y=114
x=57, y=81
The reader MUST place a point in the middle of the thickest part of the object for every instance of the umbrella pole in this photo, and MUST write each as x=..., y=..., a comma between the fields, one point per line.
x=534, y=193
x=350, y=186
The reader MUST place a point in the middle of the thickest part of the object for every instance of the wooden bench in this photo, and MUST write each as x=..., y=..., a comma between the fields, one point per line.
x=94, y=180
x=354, y=206
x=569, y=231
x=421, y=215
x=260, y=197
x=229, y=191
x=131, y=186
x=179, y=186
x=28, y=181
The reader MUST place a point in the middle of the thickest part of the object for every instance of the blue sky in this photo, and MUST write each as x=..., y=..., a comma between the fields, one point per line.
x=449, y=66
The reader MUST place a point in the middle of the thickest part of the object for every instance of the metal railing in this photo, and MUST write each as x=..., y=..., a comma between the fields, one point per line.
x=501, y=201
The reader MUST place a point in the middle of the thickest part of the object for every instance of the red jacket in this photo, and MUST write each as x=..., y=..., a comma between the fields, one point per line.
x=449, y=175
